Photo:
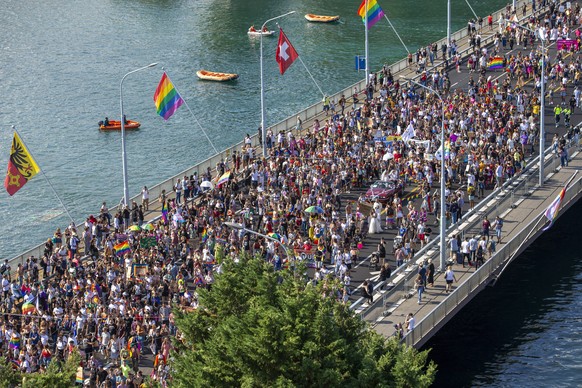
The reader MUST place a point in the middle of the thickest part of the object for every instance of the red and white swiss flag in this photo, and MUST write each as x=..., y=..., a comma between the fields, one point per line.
x=286, y=53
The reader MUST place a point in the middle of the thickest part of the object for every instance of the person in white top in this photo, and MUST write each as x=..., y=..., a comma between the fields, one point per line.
x=145, y=198
x=449, y=278
x=410, y=322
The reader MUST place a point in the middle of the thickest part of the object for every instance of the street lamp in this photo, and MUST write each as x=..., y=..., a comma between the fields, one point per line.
x=542, y=101
x=123, y=153
x=443, y=222
x=236, y=225
x=263, y=128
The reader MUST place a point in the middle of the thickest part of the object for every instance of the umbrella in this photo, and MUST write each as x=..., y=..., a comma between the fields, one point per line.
x=207, y=185
x=134, y=228
x=149, y=227
x=314, y=209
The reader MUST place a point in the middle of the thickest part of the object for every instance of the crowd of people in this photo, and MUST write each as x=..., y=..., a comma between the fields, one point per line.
x=108, y=287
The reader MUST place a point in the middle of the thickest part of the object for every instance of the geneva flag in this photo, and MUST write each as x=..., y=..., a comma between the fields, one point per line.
x=21, y=166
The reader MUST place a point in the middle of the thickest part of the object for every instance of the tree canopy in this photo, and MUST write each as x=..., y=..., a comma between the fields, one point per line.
x=259, y=327
x=57, y=375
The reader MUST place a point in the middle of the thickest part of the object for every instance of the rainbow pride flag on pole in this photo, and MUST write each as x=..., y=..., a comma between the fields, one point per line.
x=165, y=212
x=495, y=63
x=166, y=98
x=204, y=235
x=223, y=179
x=374, y=12
x=15, y=342
x=552, y=211
x=28, y=308
x=122, y=248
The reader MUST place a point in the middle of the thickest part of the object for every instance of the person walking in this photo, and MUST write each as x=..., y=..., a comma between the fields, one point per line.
x=449, y=278
x=419, y=282
x=430, y=273
x=498, y=228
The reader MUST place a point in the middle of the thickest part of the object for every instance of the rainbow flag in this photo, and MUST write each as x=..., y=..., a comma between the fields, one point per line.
x=15, y=342
x=166, y=98
x=122, y=248
x=165, y=213
x=28, y=308
x=224, y=178
x=204, y=235
x=374, y=12
x=495, y=63
x=552, y=211
x=80, y=375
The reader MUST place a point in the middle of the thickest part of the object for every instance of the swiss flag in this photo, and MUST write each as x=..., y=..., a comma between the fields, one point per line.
x=286, y=53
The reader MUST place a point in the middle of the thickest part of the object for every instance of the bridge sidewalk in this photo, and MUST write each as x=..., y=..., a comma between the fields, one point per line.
x=526, y=211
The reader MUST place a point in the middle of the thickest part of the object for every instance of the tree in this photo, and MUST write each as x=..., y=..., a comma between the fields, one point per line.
x=9, y=375
x=260, y=327
x=57, y=375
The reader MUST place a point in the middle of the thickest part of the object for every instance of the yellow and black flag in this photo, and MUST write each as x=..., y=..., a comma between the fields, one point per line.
x=21, y=166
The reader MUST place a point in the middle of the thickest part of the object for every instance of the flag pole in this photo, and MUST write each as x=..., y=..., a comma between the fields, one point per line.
x=46, y=178
x=512, y=257
x=396, y=32
x=313, y=79
x=366, y=48
x=533, y=230
x=192, y=113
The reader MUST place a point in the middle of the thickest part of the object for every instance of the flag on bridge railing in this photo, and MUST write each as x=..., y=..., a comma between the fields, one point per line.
x=552, y=210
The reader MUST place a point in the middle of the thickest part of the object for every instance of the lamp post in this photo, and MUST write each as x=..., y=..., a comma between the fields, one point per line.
x=542, y=102
x=263, y=114
x=236, y=225
x=443, y=218
x=123, y=153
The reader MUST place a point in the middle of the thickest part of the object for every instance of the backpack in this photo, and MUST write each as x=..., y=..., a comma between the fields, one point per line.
x=3, y=269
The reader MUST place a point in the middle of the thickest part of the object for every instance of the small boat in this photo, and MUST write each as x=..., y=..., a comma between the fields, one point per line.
x=215, y=76
x=321, y=18
x=116, y=125
x=259, y=33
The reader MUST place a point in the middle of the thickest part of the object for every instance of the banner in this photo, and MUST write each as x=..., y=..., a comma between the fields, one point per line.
x=566, y=44
x=148, y=242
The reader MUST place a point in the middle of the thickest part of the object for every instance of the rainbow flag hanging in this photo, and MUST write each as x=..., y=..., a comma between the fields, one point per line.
x=223, y=179
x=166, y=98
x=204, y=235
x=495, y=63
x=551, y=212
x=122, y=248
x=165, y=213
x=28, y=308
x=374, y=12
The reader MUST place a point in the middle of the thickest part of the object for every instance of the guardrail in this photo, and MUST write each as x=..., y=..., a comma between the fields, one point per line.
x=285, y=125
x=483, y=274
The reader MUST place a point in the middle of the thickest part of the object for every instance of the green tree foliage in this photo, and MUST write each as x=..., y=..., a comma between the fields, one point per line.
x=57, y=375
x=262, y=328
x=9, y=376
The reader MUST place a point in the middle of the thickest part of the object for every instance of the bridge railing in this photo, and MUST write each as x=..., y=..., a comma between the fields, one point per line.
x=484, y=273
